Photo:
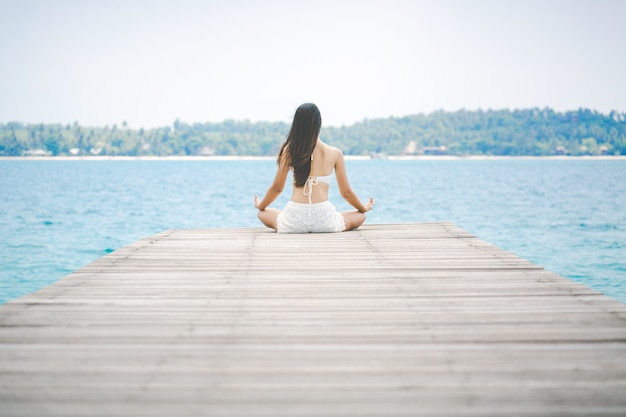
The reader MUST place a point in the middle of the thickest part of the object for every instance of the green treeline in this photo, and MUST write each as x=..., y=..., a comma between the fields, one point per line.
x=530, y=132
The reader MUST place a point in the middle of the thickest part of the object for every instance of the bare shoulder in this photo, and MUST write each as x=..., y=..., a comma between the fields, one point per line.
x=331, y=151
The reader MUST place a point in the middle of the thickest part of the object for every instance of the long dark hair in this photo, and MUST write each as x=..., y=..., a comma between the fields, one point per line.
x=301, y=141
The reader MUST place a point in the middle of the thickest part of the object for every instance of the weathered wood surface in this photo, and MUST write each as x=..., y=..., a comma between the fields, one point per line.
x=390, y=320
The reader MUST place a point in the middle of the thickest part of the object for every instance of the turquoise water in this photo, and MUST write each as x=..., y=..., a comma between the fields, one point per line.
x=566, y=215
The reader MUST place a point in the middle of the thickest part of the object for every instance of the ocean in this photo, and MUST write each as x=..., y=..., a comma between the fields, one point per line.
x=567, y=215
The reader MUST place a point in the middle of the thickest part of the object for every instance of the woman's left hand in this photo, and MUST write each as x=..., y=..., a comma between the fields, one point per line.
x=256, y=202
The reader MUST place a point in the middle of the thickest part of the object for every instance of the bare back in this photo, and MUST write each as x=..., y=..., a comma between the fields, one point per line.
x=323, y=163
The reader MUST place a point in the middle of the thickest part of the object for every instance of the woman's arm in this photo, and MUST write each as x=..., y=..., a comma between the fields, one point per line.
x=275, y=189
x=344, y=186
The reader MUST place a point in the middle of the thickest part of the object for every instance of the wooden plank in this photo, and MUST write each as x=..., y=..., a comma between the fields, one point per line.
x=403, y=320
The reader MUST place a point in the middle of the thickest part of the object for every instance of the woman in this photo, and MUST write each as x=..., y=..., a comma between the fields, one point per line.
x=312, y=163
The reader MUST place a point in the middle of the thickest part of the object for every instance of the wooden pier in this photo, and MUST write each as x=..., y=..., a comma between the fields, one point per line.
x=389, y=320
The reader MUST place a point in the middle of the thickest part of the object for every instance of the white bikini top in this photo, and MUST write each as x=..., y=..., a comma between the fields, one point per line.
x=308, y=185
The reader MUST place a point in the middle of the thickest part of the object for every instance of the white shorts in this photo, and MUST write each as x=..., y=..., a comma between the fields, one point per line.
x=310, y=218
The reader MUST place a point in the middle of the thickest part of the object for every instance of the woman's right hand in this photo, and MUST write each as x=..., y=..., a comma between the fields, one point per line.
x=369, y=205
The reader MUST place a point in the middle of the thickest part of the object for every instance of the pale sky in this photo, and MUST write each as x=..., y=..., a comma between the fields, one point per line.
x=150, y=62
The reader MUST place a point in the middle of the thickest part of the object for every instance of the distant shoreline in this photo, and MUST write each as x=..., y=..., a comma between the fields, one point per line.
x=348, y=157
x=502, y=157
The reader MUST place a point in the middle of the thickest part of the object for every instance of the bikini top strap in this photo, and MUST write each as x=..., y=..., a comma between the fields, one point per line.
x=308, y=187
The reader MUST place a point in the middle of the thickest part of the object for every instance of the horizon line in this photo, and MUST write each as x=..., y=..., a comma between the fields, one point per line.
x=124, y=124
